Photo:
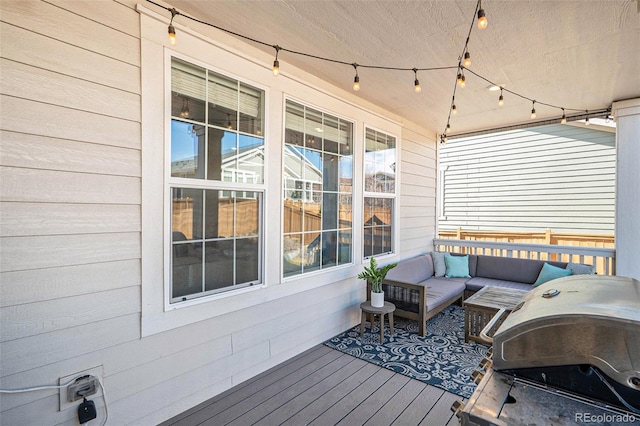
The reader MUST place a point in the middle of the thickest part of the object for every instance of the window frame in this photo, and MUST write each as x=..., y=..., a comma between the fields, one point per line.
x=170, y=182
x=353, y=251
x=381, y=195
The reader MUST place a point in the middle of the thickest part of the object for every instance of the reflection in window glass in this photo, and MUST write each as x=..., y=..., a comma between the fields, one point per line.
x=380, y=190
x=230, y=225
x=222, y=114
x=317, y=190
x=217, y=135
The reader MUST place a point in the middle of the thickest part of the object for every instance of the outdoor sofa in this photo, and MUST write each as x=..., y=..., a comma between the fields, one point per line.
x=420, y=287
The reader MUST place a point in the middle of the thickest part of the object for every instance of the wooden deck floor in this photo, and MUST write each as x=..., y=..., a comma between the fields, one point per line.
x=323, y=386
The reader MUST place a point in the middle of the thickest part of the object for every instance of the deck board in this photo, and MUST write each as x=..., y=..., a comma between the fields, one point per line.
x=324, y=387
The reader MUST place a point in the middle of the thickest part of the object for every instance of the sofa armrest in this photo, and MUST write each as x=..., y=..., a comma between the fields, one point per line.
x=422, y=299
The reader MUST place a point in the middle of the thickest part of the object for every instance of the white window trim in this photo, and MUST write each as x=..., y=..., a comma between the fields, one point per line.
x=157, y=315
x=395, y=227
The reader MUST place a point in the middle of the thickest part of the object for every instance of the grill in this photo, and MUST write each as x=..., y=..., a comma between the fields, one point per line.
x=569, y=353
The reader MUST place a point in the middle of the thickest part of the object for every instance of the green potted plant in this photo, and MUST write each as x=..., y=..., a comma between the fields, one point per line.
x=375, y=276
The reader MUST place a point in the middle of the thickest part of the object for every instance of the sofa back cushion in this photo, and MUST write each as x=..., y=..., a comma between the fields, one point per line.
x=414, y=270
x=511, y=269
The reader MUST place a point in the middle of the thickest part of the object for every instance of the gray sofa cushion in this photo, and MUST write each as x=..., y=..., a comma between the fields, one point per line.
x=511, y=269
x=414, y=270
x=439, y=267
x=439, y=291
x=476, y=283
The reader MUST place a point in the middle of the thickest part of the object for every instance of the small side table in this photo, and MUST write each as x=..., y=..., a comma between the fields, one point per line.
x=367, y=310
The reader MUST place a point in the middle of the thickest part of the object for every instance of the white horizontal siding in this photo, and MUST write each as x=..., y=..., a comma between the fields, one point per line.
x=70, y=240
x=560, y=177
x=417, y=193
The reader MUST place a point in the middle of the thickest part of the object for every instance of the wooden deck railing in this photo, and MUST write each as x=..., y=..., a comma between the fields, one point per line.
x=603, y=258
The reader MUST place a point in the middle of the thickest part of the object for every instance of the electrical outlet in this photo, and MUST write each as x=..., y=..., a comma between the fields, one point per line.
x=87, y=384
x=83, y=387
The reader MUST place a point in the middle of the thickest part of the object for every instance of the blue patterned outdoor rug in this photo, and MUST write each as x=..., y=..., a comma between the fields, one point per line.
x=441, y=359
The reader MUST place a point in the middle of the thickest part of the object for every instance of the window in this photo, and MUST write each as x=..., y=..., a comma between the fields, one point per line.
x=318, y=175
x=379, y=192
x=215, y=184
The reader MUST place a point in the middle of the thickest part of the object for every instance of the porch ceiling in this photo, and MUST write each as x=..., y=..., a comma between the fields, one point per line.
x=581, y=54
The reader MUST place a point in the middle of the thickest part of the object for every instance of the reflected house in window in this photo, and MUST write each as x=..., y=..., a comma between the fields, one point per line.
x=317, y=190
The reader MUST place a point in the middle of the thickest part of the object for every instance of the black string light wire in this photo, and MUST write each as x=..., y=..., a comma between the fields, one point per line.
x=463, y=64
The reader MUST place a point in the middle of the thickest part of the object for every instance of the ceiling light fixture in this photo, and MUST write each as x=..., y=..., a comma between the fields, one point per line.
x=416, y=83
x=533, y=109
x=501, y=99
x=276, y=63
x=482, y=19
x=172, y=30
x=356, y=79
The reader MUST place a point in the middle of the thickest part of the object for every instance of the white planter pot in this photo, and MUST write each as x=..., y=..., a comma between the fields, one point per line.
x=377, y=300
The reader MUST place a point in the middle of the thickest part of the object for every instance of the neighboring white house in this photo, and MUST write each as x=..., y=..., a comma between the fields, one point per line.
x=87, y=183
x=558, y=177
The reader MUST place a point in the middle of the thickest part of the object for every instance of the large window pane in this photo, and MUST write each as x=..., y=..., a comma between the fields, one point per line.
x=378, y=221
x=317, y=190
x=217, y=136
x=380, y=192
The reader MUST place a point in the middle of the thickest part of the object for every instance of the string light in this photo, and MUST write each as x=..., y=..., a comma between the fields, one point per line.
x=172, y=30
x=356, y=79
x=184, y=112
x=416, y=83
x=448, y=127
x=443, y=139
x=464, y=61
x=563, y=120
x=276, y=63
x=533, y=109
x=467, y=59
x=586, y=120
x=482, y=19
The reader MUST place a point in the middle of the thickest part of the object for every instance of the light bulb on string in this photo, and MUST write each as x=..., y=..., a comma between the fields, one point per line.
x=533, y=109
x=461, y=80
x=276, y=63
x=586, y=120
x=172, y=29
x=501, y=99
x=467, y=59
x=482, y=19
x=416, y=84
x=356, y=79
x=563, y=120
x=448, y=127
x=454, y=110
